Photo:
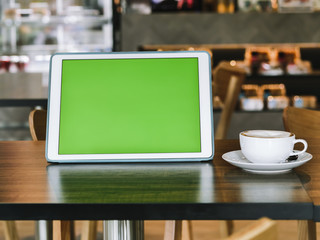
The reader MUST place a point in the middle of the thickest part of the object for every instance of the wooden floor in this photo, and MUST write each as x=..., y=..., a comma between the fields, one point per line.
x=203, y=230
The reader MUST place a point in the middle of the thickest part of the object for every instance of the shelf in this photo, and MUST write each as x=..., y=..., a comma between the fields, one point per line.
x=63, y=47
x=308, y=84
x=87, y=21
x=313, y=75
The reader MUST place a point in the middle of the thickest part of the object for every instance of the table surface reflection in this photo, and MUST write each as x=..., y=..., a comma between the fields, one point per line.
x=30, y=188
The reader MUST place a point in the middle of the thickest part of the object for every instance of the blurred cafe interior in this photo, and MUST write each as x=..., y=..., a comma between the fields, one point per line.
x=275, y=42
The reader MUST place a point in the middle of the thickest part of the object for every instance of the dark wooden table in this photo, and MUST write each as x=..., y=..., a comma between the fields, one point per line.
x=32, y=189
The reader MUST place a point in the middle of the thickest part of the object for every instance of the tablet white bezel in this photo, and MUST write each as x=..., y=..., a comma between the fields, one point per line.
x=206, y=121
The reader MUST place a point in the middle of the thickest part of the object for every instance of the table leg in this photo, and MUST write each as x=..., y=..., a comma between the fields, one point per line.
x=307, y=230
x=43, y=230
x=123, y=230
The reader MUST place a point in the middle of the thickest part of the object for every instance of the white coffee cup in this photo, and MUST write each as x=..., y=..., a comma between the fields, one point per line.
x=269, y=146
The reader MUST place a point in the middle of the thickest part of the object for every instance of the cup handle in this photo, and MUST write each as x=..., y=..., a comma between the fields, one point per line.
x=304, y=142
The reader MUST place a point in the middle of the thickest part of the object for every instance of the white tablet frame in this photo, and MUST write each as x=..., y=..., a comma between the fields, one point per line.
x=206, y=116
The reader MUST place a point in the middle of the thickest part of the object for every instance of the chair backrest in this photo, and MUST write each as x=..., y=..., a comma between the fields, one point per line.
x=227, y=81
x=37, y=124
x=302, y=122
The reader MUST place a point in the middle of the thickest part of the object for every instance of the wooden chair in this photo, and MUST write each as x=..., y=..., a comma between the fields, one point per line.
x=61, y=229
x=262, y=229
x=10, y=230
x=226, y=85
x=38, y=124
x=302, y=122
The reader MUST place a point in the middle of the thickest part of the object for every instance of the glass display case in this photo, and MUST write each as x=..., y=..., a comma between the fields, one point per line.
x=32, y=30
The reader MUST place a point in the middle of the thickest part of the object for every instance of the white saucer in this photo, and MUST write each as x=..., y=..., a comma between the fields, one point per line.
x=237, y=159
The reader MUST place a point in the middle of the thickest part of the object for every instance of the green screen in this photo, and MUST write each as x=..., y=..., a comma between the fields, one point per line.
x=129, y=106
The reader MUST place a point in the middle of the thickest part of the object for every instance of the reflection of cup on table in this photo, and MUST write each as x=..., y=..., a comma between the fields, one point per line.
x=268, y=146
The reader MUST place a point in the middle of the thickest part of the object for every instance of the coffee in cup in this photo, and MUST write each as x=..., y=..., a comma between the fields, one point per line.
x=269, y=146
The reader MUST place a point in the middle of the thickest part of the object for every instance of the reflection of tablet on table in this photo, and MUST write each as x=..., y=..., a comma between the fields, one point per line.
x=146, y=106
x=139, y=181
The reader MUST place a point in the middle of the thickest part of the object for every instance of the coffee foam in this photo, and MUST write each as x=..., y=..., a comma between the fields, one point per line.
x=267, y=134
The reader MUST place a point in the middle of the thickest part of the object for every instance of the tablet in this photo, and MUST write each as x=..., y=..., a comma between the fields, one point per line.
x=130, y=107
